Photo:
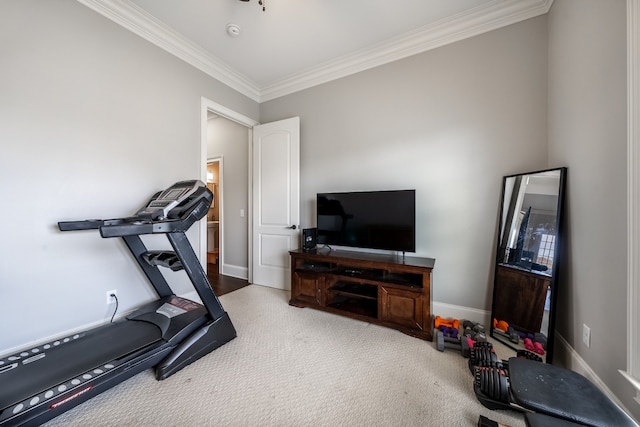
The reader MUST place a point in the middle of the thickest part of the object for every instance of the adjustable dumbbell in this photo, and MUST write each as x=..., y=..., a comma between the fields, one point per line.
x=450, y=323
x=493, y=383
x=482, y=352
x=461, y=345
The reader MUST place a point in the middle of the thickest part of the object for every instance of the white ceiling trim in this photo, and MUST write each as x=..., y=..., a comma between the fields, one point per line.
x=141, y=23
x=496, y=14
x=493, y=15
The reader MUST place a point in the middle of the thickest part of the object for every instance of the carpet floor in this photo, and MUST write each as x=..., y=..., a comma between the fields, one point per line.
x=299, y=367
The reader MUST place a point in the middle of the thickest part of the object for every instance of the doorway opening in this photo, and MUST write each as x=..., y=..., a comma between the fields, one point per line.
x=220, y=283
x=260, y=211
x=225, y=160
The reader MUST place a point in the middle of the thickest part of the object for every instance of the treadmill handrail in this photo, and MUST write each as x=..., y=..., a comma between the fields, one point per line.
x=94, y=224
x=135, y=225
x=87, y=224
x=140, y=227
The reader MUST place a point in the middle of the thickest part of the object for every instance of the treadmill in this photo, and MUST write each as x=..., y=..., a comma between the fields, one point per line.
x=41, y=382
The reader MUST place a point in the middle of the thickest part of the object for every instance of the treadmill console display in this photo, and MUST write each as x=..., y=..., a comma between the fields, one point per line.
x=173, y=196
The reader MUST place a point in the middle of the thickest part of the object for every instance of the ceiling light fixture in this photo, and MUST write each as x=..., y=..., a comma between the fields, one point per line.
x=260, y=2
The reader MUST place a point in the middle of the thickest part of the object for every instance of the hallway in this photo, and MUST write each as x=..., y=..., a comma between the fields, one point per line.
x=222, y=284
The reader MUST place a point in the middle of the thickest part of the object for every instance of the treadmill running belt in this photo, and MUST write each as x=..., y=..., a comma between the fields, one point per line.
x=88, y=351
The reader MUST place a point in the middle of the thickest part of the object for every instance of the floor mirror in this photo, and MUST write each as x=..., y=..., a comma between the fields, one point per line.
x=526, y=270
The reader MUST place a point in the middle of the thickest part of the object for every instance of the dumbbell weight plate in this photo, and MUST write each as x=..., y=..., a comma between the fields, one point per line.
x=486, y=354
x=487, y=383
x=498, y=380
x=484, y=382
x=486, y=389
x=479, y=355
x=494, y=384
x=504, y=386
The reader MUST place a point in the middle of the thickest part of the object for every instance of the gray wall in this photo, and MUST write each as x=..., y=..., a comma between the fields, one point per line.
x=587, y=133
x=450, y=123
x=93, y=121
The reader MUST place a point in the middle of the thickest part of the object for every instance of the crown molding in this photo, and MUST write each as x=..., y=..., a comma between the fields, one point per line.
x=491, y=16
x=141, y=23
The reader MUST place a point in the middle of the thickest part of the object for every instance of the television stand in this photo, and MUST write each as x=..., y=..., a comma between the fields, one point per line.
x=386, y=290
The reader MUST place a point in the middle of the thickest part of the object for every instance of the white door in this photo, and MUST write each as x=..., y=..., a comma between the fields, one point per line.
x=276, y=201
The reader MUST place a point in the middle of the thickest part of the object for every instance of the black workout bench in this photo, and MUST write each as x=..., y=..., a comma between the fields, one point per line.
x=549, y=395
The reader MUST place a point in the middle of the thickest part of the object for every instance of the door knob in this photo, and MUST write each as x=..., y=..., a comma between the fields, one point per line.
x=293, y=227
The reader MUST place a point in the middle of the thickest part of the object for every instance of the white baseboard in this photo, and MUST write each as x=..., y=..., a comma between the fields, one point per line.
x=459, y=312
x=564, y=355
x=234, y=271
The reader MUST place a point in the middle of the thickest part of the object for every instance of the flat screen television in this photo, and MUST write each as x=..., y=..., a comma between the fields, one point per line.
x=368, y=219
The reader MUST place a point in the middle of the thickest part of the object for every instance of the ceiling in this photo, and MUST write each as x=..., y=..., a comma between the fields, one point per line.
x=296, y=44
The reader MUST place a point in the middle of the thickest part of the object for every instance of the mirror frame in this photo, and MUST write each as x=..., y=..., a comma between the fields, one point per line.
x=553, y=281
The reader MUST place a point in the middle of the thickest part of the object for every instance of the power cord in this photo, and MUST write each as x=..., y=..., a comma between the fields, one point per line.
x=116, y=309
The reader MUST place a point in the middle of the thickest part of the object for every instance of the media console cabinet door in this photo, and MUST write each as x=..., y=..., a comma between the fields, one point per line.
x=402, y=307
x=306, y=288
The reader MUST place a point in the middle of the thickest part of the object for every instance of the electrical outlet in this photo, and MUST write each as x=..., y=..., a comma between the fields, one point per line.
x=110, y=299
x=586, y=335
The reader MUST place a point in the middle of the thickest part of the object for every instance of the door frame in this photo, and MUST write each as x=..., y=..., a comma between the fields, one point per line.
x=207, y=105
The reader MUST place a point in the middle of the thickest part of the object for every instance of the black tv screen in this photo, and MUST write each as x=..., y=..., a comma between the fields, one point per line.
x=368, y=219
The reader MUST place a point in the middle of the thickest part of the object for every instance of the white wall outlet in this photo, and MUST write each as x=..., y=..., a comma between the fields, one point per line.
x=242, y=213
x=586, y=335
x=110, y=299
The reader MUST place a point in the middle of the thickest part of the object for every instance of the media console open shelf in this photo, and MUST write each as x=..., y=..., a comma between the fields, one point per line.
x=386, y=290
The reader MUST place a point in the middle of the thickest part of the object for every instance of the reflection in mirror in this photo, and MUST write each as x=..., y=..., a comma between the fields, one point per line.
x=525, y=283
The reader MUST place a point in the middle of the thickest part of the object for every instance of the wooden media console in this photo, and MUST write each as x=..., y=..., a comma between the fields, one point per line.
x=386, y=290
